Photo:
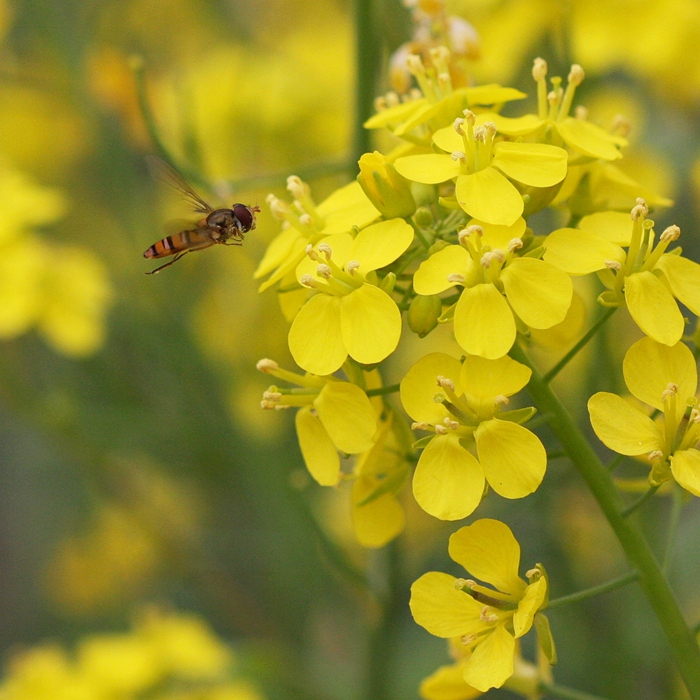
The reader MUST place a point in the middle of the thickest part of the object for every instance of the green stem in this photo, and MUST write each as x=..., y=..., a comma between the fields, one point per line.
x=579, y=346
x=673, y=522
x=614, y=463
x=682, y=642
x=383, y=390
x=639, y=502
x=595, y=590
x=561, y=691
x=695, y=629
x=556, y=454
x=366, y=65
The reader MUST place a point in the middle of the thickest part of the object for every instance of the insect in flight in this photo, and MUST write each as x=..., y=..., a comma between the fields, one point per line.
x=225, y=226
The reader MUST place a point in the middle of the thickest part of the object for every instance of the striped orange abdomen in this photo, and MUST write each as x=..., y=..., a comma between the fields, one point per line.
x=179, y=242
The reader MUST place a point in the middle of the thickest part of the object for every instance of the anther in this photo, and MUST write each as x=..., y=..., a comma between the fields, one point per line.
x=458, y=155
x=581, y=113
x=282, y=406
x=501, y=400
x=486, y=260
x=490, y=129
x=380, y=103
x=456, y=278
x=515, y=244
x=415, y=64
x=445, y=382
x=669, y=391
x=552, y=97
x=467, y=232
x=266, y=366
x=640, y=210
x=308, y=281
x=451, y=424
x=621, y=125
x=309, y=250
x=306, y=220
x=469, y=116
x=655, y=455
x=498, y=255
x=440, y=54
x=351, y=266
x=420, y=425
x=539, y=69
x=324, y=271
x=273, y=396
x=468, y=639
x=480, y=134
x=576, y=74
x=457, y=125
x=278, y=208
x=298, y=188
x=613, y=265
x=533, y=575
x=326, y=250
x=392, y=99
x=441, y=429
x=268, y=405
x=487, y=616
x=672, y=233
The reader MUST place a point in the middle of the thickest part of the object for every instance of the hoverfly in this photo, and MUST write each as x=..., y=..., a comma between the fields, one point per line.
x=225, y=226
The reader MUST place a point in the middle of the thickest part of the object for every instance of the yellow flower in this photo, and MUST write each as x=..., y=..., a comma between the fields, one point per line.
x=665, y=378
x=351, y=314
x=498, y=287
x=306, y=223
x=488, y=620
x=553, y=123
x=334, y=416
x=483, y=169
x=436, y=103
x=384, y=187
x=645, y=278
x=380, y=474
x=461, y=403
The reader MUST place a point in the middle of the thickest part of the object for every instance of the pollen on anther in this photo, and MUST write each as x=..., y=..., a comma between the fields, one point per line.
x=456, y=278
x=273, y=396
x=469, y=116
x=581, y=113
x=445, y=382
x=672, y=233
x=297, y=187
x=306, y=220
x=458, y=155
x=420, y=425
x=487, y=616
x=324, y=271
x=640, y=210
x=351, y=266
x=576, y=74
x=308, y=281
x=457, y=125
x=266, y=365
x=309, y=250
x=501, y=400
x=326, y=250
x=539, y=69
x=515, y=244
x=670, y=390
x=655, y=455
x=441, y=429
x=612, y=264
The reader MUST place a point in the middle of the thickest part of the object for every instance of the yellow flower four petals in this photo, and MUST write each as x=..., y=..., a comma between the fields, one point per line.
x=665, y=378
x=461, y=404
x=645, y=278
x=350, y=315
x=488, y=620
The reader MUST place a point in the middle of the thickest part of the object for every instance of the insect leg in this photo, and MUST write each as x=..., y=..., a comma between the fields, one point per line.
x=168, y=264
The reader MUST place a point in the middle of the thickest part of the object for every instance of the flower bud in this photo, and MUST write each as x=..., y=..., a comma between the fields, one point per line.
x=385, y=188
x=423, y=314
x=423, y=216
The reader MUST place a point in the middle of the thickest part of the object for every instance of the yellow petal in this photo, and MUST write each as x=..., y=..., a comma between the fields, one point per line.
x=513, y=458
x=488, y=550
x=447, y=683
x=534, y=164
x=380, y=244
x=484, y=323
x=491, y=664
x=431, y=276
x=278, y=251
x=378, y=521
x=318, y=450
x=315, y=338
x=296, y=255
x=649, y=367
x=487, y=195
x=347, y=415
x=443, y=610
x=448, y=139
x=348, y=206
x=500, y=236
x=612, y=226
x=448, y=482
x=528, y=606
x=683, y=277
x=580, y=252
x=518, y=126
x=588, y=138
x=539, y=293
x=394, y=114
x=419, y=386
x=653, y=308
x=491, y=94
x=429, y=169
x=621, y=427
x=482, y=380
x=370, y=323
x=685, y=465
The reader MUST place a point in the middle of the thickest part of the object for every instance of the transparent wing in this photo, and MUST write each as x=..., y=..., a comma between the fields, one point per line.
x=160, y=170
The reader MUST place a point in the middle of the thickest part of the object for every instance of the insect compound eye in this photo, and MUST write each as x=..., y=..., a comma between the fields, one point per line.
x=244, y=216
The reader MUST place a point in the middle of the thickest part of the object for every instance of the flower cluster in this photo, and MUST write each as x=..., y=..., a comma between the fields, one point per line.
x=438, y=232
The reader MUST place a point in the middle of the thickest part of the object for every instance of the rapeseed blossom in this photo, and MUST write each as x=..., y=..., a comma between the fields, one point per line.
x=645, y=278
x=487, y=620
x=498, y=287
x=306, y=223
x=666, y=379
x=483, y=169
x=334, y=416
x=351, y=314
x=461, y=404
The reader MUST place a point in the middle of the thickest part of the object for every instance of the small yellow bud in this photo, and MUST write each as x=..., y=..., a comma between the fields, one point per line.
x=385, y=188
x=423, y=314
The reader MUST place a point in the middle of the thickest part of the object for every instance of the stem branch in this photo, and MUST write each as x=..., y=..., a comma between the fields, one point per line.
x=561, y=691
x=595, y=590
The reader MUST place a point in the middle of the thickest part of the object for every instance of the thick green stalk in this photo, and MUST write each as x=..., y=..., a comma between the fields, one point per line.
x=366, y=65
x=680, y=638
x=561, y=691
